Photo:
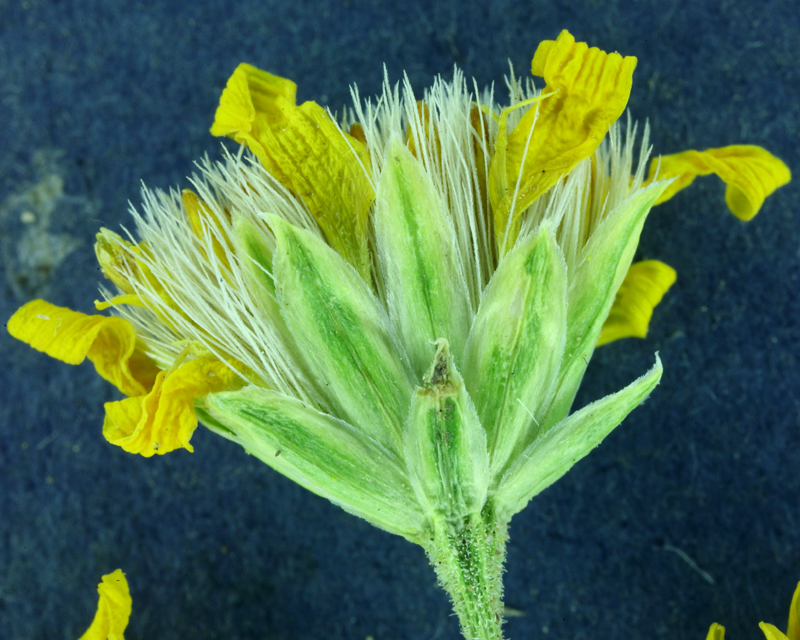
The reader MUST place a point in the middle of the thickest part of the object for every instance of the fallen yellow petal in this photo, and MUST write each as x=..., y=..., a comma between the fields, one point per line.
x=588, y=90
x=716, y=632
x=164, y=419
x=113, y=609
x=70, y=336
x=751, y=173
x=645, y=284
x=306, y=152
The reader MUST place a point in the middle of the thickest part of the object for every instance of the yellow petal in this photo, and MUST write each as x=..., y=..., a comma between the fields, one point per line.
x=793, y=629
x=716, y=632
x=505, y=192
x=201, y=218
x=114, y=260
x=357, y=131
x=588, y=90
x=644, y=285
x=164, y=419
x=249, y=91
x=428, y=131
x=771, y=631
x=751, y=173
x=307, y=153
x=128, y=298
x=70, y=336
x=113, y=609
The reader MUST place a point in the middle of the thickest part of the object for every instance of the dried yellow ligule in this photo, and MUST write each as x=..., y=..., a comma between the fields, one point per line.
x=128, y=298
x=716, y=632
x=480, y=125
x=503, y=186
x=164, y=419
x=751, y=173
x=203, y=221
x=306, y=152
x=249, y=92
x=771, y=632
x=126, y=265
x=586, y=92
x=115, y=258
x=70, y=336
x=427, y=129
x=644, y=285
x=113, y=609
x=793, y=628
x=357, y=131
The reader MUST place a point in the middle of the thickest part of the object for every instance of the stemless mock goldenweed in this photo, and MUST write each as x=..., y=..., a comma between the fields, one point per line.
x=396, y=310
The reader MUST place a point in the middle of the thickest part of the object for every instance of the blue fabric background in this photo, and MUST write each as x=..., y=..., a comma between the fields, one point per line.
x=98, y=95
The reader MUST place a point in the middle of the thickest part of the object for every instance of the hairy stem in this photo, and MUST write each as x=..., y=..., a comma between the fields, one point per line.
x=468, y=556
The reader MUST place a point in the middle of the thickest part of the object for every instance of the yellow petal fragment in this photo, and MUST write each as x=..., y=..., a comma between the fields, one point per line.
x=771, y=631
x=113, y=609
x=127, y=265
x=115, y=258
x=128, y=298
x=249, y=91
x=428, y=131
x=589, y=90
x=70, y=336
x=716, y=632
x=357, y=131
x=203, y=221
x=164, y=419
x=307, y=153
x=645, y=284
x=793, y=628
x=751, y=173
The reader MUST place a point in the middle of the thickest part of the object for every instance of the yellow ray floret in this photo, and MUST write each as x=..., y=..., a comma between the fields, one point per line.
x=645, y=284
x=306, y=152
x=125, y=264
x=772, y=632
x=248, y=100
x=751, y=173
x=793, y=628
x=164, y=419
x=586, y=92
x=70, y=336
x=716, y=632
x=113, y=609
x=204, y=222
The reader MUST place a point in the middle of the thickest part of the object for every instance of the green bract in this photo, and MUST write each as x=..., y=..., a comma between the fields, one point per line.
x=435, y=420
x=433, y=412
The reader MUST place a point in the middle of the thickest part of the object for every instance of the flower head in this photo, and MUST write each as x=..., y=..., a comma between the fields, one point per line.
x=340, y=295
x=396, y=310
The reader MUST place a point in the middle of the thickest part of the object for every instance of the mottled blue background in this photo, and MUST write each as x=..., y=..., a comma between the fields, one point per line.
x=98, y=95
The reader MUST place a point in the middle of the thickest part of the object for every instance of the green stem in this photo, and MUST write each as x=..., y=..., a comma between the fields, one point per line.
x=468, y=557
